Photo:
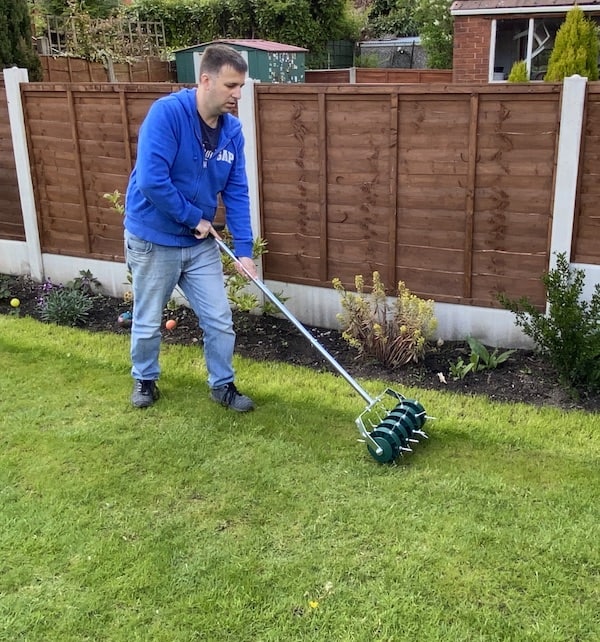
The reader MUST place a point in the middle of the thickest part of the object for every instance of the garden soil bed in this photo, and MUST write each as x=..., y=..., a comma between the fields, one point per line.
x=525, y=377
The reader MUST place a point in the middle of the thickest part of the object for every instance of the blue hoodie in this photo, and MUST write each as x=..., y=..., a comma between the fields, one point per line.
x=172, y=187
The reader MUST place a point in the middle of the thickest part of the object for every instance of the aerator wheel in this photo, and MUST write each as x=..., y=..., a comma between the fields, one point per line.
x=416, y=409
x=388, y=442
x=405, y=417
x=400, y=427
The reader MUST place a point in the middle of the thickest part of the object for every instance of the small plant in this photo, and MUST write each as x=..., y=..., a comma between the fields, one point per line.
x=63, y=305
x=86, y=282
x=479, y=359
x=116, y=201
x=460, y=369
x=518, y=72
x=394, y=334
x=568, y=334
x=239, y=298
x=483, y=359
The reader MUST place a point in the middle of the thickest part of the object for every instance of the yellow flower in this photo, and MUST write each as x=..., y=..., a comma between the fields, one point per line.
x=313, y=604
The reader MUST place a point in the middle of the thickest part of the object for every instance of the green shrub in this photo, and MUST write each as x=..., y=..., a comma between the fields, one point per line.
x=65, y=306
x=568, y=334
x=394, y=334
x=518, y=72
x=575, y=48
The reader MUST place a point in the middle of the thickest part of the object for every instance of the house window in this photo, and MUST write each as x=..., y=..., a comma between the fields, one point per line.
x=529, y=39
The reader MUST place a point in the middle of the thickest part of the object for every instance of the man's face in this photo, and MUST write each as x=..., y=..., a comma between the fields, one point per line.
x=223, y=90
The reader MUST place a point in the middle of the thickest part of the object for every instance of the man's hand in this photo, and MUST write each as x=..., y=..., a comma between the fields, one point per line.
x=204, y=229
x=245, y=266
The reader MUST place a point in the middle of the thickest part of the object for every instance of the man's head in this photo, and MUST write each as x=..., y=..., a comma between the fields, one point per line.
x=222, y=76
x=217, y=56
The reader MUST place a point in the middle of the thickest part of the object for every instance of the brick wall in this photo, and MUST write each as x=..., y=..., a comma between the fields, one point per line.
x=471, y=49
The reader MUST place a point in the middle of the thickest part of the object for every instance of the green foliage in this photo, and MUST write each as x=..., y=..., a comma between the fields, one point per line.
x=568, y=334
x=64, y=305
x=460, y=369
x=370, y=61
x=575, y=48
x=392, y=17
x=94, y=8
x=483, y=359
x=518, y=72
x=86, y=282
x=436, y=31
x=116, y=201
x=16, y=47
x=4, y=289
x=305, y=23
x=394, y=335
x=480, y=359
x=237, y=294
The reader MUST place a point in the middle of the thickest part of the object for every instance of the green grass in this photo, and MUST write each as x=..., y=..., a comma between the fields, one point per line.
x=188, y=522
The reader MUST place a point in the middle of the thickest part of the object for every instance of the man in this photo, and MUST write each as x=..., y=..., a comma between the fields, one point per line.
x=190, y=150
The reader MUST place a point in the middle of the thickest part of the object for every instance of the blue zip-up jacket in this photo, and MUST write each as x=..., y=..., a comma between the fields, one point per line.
x=172, y=186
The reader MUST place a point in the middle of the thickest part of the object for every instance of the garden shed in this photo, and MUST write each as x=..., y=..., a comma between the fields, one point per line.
x=268, y=61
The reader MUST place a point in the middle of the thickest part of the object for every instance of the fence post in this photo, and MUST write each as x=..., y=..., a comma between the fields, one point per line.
x=12, y=79
x=247, y=116
x=567, y=166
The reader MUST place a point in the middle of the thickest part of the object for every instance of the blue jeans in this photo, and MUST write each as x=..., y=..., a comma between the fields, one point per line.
x=198, y=271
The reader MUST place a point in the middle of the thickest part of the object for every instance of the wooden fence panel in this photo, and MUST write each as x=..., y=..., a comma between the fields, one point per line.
x=586, y=237
x=83, y=142
x=447, y=190
x=384, y=75
x=78, y=70
x=11, y=217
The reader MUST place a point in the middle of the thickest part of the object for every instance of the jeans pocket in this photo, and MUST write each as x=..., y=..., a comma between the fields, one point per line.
x=136, y=245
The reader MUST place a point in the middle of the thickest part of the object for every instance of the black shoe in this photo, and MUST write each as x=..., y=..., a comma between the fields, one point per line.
x=229, y=396
x=145, y=393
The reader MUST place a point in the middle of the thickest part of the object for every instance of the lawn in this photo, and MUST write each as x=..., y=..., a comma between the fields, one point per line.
x=187, y=522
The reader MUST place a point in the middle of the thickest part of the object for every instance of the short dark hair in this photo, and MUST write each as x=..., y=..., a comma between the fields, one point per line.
x=217, y=56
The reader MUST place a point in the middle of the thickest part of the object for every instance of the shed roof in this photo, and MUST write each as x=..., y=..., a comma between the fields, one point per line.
x=254, y=43
x=466, y=7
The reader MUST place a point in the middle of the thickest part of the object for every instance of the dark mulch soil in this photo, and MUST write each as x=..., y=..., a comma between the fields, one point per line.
x=523, y=378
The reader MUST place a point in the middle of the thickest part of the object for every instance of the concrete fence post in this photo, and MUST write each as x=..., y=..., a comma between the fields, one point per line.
x=567, y=166
x=247, y=116
x=13, y=77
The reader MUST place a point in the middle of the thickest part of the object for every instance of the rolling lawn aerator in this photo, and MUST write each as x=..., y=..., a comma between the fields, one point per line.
x=389, y=428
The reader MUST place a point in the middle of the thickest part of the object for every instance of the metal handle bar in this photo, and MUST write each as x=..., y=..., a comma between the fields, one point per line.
x=361, y=391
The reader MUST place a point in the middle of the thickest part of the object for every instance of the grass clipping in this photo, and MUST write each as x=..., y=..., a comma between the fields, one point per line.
x=395, y=333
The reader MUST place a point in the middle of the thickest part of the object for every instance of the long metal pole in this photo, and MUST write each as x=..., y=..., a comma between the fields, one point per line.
x=361, y=391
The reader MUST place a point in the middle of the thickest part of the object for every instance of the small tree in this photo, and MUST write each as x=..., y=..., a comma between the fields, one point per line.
x=518, y=72
x=15, y=38
x=575, y=49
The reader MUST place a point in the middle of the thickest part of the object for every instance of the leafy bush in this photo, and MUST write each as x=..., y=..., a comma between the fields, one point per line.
x=518, y=72
x=394, y=334
x=436, y=29
x=568, y=334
